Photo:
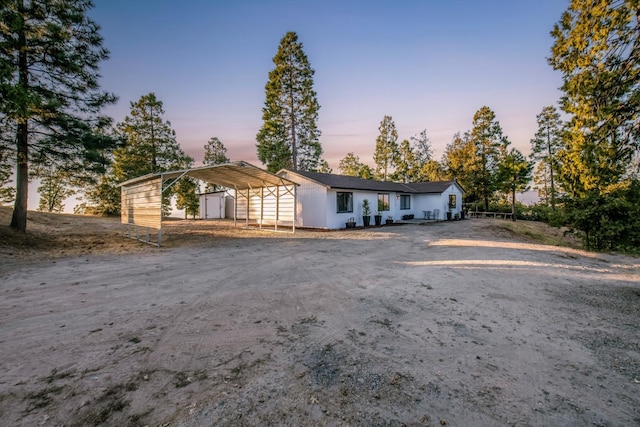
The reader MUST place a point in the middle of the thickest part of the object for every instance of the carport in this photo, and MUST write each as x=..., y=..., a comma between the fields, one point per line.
x=260, y=198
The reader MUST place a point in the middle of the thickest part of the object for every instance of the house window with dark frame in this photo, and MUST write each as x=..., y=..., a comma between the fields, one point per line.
x=345, y=202
x=383, y=202
x=452, y=201
x=405, y=201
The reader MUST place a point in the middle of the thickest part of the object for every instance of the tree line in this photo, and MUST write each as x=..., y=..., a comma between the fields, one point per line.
x=585, y=167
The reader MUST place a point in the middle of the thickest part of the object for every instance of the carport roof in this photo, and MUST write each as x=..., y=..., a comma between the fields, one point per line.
x=239, y=175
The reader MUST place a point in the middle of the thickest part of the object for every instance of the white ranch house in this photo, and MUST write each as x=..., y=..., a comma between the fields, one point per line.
x=329, y=201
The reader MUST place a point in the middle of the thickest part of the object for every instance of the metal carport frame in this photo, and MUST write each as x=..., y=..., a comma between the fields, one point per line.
x=141, y=198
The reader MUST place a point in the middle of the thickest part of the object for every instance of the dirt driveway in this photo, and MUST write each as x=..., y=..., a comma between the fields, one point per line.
x=453, y=323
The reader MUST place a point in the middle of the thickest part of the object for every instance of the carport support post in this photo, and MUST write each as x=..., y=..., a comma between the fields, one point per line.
x=277, y=206
x=261, y=206
x=246, y=220
x=295, y=207
x=235, y=208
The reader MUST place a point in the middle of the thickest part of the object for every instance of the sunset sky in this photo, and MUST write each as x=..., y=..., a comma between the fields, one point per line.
x=428, y=64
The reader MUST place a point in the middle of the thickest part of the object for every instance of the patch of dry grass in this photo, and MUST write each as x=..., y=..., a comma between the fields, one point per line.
x=542, y=233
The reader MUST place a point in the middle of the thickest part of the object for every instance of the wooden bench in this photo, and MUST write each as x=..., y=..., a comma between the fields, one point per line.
x=503, y=215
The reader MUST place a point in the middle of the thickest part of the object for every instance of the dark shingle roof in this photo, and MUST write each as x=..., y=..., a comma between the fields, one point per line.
x=430, y=187
x=355, y=183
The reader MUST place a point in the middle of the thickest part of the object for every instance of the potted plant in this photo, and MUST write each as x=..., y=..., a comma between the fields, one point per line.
x=351, y=223
x=389, y=220
x=377, y=218
x=366, y=213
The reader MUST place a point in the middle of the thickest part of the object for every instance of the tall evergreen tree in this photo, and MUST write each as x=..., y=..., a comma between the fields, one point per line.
x=187, y=197
x=7, y=192
x=407, y=166
x=597, y=49
x=351, y=165
x=422, y=148
x=459, y=161
x=49, y=56
x=544, y=148
x=432, y=170
x=101, y=198
x=514, y=176
x=386, y=154
x=150, y=145
x=289, y=137
x=541, y=182
x=324, y=167
x=54, y=188
x=215, y=153
x=150, y=142
x=489, y=144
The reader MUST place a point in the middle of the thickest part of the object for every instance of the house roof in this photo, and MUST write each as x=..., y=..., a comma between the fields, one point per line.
x=354, y=183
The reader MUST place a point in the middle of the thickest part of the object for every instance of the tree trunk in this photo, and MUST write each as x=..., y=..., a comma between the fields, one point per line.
x=513, y=203
x=553, y=196
x=19, y=217
x=294, y=147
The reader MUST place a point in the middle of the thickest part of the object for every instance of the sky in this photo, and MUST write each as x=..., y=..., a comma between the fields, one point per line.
x=429, y=64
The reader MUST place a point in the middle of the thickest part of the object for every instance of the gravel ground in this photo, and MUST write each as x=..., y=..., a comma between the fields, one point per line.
x=457, y=323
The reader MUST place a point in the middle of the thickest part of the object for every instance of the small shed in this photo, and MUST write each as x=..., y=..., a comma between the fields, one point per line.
x=259, y=197
x=212, y=205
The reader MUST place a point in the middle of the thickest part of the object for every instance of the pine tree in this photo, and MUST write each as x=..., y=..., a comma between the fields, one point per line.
x=289, y=137
x=54, y=189
x=407, y=166
x=432, y=170
x=324, y=167
x=514, y=176
x=386, y=154
x=422, y=148
x=101, y=198
x=7, y=192
x=489, y=144
x=99, y=193
x=49, y=56
x=541, y=181
x=350, y=165
x=215, y=153
x=597, y=49
x=187, y=197
x=544, y=148
x=150, y=145
x=459, y=162
x=150, y=142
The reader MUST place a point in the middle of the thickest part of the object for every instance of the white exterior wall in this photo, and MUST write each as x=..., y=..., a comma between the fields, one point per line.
x=263, y=204
x=212, y=205
x=311, y=202
x=339, y=220
x=428, y=202
x=440, y=201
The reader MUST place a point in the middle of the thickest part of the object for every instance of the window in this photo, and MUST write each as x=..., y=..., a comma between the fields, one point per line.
x=383, y=202
x=452, y=201
x=405, y=201
x=345, y=202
